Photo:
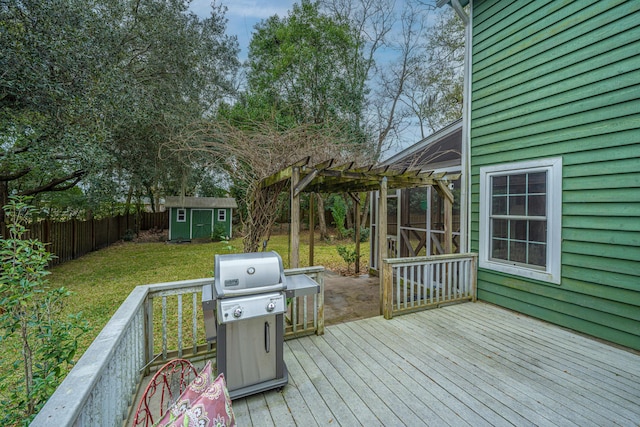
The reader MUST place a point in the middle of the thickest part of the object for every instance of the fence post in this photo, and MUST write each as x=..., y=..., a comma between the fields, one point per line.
x=387, y=290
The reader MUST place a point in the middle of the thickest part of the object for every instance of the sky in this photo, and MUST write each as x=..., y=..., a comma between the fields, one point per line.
x=243, y=15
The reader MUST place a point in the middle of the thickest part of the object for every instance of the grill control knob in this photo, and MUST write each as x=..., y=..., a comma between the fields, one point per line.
x=237, y=312
x=271, y=306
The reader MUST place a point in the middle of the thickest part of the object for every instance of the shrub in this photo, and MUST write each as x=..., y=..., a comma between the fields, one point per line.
x=349, y=255
x=219, y=233
x=364, y=234
x=128, y=235
x=339, y=214
x=31, y=322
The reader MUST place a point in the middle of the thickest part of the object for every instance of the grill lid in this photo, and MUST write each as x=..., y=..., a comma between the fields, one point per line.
x=248, y=273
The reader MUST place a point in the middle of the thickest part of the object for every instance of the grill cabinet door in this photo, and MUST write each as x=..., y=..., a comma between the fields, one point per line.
x=248, y=361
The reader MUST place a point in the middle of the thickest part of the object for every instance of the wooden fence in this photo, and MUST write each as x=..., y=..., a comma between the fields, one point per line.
x=72, y=239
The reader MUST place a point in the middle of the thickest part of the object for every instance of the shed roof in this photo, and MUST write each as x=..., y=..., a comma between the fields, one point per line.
x=200, y=202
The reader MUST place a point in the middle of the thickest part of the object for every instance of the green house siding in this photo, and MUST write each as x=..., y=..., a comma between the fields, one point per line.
x=562, y=79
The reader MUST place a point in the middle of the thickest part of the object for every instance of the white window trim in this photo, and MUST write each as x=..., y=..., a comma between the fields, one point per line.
x=184, y=215
x=553, y=166
x=223, y=217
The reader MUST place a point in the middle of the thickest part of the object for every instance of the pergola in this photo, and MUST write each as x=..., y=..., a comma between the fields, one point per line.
x=325, y=177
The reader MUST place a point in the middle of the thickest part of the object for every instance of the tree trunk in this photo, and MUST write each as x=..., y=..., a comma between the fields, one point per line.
x=127, y=203
x=4, y=199
x=322, y=223
x=364, y=206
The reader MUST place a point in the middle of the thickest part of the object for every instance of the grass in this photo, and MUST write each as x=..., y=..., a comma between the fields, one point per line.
x=102, y=280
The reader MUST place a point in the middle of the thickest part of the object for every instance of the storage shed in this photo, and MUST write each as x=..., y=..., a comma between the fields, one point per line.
x=198, y=217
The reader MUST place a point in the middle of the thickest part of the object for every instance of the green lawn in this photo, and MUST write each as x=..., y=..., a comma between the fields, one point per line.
x=100, y=281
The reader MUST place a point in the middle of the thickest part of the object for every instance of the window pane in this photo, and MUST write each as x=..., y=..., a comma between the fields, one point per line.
x=537, y=231
x=499, y=205
x=538, y=182
x=499, y=185
x=516, y=205
x=537, y=205
x=518, y=230
x=518, y=252
x=518, y=184
x=499, y=249
x=537, y=254
x=501, y=228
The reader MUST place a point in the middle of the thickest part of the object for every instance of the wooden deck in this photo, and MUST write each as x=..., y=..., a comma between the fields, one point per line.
x=468, y=364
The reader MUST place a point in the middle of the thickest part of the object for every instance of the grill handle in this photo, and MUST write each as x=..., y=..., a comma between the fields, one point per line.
x=267, y=337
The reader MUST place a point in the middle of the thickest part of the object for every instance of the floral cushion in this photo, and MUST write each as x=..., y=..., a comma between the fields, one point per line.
x=205, y=403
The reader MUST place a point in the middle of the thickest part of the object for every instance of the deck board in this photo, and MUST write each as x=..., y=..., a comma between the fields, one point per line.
x=468, y=364
x=583, y=385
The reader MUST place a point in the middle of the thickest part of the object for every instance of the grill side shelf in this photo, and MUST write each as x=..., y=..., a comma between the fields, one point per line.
x=300, y=285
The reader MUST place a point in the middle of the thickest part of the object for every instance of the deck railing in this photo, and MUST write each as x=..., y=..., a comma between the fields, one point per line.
x=412, y=284
x=152, y=325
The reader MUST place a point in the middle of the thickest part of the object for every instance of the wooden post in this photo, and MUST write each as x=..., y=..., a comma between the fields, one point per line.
x=387, y=294
x=382, y=236
x=448, y=226
x=294, y=256
x=474, y=277
x=320, y=280
x=357, y=232
x=447, y=197
x=312, y=226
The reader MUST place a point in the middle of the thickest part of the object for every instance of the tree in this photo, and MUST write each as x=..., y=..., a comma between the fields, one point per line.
x=438, y=85
x=90, y=89
x=300, y=74
x=299, y=66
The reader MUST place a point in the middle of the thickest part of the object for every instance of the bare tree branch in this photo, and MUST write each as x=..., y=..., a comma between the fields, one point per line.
x=250, y=155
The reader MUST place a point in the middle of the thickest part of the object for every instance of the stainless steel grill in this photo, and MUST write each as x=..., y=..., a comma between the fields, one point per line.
x=244, y=313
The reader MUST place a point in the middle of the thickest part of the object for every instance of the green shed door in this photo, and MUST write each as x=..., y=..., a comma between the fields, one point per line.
x=201, y=221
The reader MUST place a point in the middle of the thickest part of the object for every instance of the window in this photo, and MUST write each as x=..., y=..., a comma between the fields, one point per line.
x=222, y=215
x=181, y=215
x=520, y=218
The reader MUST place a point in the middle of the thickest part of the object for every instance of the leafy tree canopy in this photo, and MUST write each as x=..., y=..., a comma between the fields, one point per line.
x=299, y=71
x=91, y=89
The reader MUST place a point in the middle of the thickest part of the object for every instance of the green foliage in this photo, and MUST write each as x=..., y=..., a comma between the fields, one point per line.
x=128, y=235
x=348, y=254
x=31, y=322
x=364, y=233
x=299, y=71
x=94, y=90
x=219, y=233
x=339, y=213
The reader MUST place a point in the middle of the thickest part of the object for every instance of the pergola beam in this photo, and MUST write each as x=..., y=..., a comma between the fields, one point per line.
x=283, y=174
